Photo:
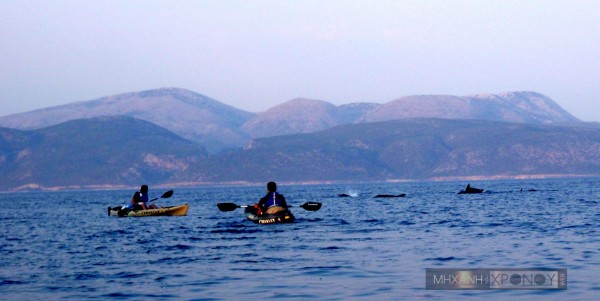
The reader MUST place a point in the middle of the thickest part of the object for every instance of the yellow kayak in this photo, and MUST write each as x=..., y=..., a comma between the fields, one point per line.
x=180, y=210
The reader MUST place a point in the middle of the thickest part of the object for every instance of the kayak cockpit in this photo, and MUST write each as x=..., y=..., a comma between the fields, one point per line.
x=284, y=216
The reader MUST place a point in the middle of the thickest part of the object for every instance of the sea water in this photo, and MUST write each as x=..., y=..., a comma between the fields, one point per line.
x=63, y=246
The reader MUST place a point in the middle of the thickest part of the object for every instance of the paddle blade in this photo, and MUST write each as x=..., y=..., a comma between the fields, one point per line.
x=311, y=206
x=167, y=194
x=227, y=206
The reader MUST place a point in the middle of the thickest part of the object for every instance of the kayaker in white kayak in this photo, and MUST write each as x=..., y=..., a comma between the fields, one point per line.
x=140, y=199
x=271, y=203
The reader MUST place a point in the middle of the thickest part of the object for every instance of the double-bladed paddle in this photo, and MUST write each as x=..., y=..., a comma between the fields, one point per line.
x=165, y=195
x=309, y=206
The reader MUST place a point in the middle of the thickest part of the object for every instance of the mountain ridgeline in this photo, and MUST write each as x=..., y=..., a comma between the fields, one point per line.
x=217, y=126
x=190, y=115
x=177, y=137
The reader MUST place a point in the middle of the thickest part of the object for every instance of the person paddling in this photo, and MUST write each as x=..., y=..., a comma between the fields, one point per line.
x=271, y=203
x=140, y=199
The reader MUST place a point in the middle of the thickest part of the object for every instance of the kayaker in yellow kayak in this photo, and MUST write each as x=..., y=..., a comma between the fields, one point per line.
x=271, y=203
x=140, y=199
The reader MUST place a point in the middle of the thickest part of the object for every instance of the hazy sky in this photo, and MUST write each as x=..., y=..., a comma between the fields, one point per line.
x=257, y=54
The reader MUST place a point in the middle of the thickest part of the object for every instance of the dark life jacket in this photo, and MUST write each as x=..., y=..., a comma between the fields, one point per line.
x=137, y=198
x=272, y=199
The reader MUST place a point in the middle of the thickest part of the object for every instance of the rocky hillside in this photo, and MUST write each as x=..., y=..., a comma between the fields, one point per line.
x=117, y=151
x=411, y=149
x=292, y=117
x=304, y=116
x=521, y=107
x=96, y=152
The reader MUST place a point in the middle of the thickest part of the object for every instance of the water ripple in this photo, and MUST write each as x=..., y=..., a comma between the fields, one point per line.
x=336, y=253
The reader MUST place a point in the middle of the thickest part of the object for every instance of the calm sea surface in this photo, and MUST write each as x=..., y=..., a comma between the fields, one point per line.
x=63, y=246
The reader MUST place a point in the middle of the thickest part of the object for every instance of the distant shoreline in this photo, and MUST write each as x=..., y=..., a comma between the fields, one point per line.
x=40, y=188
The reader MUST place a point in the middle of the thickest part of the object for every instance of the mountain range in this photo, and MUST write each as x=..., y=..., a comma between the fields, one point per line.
x=178, y=137
x=217, y=126
x=409, y=149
